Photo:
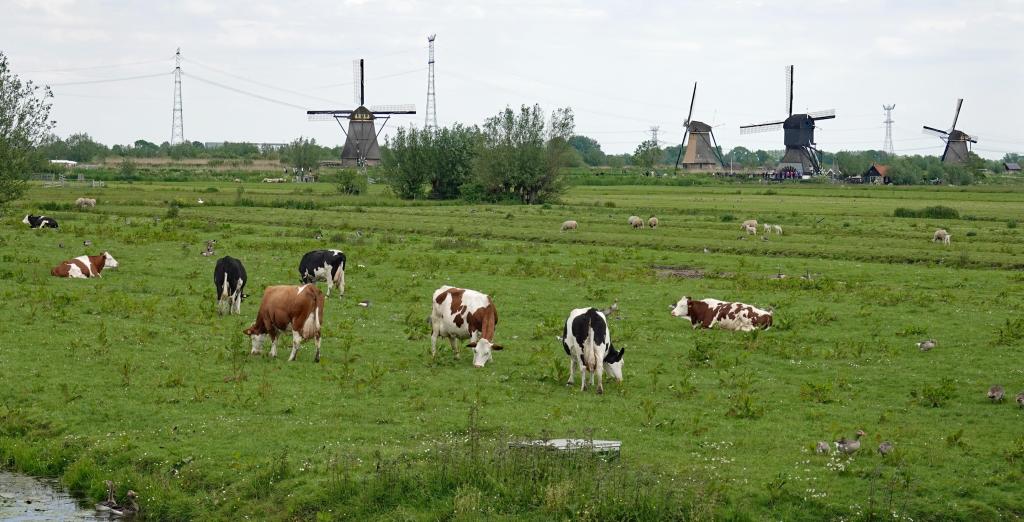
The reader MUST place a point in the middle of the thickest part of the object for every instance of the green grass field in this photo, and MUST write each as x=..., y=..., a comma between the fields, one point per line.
x=133, y=376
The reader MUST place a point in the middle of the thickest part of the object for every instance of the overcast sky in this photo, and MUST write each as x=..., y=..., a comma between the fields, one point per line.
x=623, y=66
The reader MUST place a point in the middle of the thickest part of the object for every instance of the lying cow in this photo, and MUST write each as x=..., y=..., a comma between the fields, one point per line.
x=708, y=313
x=588, y=343
x=324, y=265
x=85, y=202
x=39, y=221
x=460, y=313
x=84, y=267
x=569, y=225
x=299, y=309
x=229, y=280
x=942, y=235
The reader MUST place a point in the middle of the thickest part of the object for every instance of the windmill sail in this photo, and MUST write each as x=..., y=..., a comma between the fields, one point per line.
x=789, y=90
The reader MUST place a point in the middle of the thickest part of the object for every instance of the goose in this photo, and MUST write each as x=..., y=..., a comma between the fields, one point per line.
x=927, y=344
x=208, y=253
x=848, y=446
x=364, y=304
x=87, y=243
x=885, y=448
x=129, y=509
x=996, y=393
x=822, y=448
x=108, y=504
x=1020, y=399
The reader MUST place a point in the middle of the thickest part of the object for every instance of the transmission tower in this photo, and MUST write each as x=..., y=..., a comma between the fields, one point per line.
x=431, y=121
x=177, y=127
x=887, y=146
x=654, y=134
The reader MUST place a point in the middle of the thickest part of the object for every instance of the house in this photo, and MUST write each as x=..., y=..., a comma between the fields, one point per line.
x=1012, y=168
x=877, y=174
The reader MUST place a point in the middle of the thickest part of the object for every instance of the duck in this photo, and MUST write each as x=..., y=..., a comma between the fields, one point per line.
x=848, y=446
x=110, y=503
x=885, y=448
x=927, y=344
x=822, y=448
x=996, y=393
x=1020, y=399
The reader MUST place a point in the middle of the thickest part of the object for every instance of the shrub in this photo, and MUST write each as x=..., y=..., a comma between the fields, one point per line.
x=935, y=212
x=726, y=218
x=351, y=182
x=172, y=210
x=934, y=395
x=1011, y=223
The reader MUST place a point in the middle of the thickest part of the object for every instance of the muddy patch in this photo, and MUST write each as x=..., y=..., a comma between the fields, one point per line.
x=678, y=271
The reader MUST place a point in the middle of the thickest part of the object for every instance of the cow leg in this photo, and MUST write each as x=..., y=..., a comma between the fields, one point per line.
x=316, y=358
x=433, y=344
x=455, y=346
x=341, y=282
x=296, y=342
x=600, y=378
x=583, y=376
x=273, y=344
x=572, y=370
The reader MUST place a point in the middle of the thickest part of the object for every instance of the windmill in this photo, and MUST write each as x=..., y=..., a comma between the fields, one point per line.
x=700, y=154
x=801, y=154
x=361, y=147
x=957, y=142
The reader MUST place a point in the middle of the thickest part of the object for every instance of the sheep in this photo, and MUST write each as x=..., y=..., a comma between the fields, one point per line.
x=85, y=202
x=777, y=229
x=652, y=222
x=569, y=225
x=751, y=229
x=636, y=222
x=942, y=235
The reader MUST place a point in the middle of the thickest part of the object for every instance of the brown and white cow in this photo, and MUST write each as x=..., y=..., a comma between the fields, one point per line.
x=708, y=313
x=460, y=313
x=299, y=309
x=84, y=267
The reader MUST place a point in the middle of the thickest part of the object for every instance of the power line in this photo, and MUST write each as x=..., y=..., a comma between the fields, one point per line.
x=261, y=84
x=342, y=84
x=91, y=67
x=109, y=80
x=247, y=93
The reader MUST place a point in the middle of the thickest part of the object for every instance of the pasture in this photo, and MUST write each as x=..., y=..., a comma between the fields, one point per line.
x=133, y=376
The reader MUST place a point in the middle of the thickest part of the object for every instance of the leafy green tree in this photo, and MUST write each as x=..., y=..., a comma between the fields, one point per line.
x=24, y=123
x=441, y=159
x=302, y=153
x=589, y=149
x=646, y=155
x=522, y=155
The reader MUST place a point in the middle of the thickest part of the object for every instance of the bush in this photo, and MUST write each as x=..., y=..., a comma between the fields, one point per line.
x=439, y=158
x=936, y=212
x=351, y=182
x=934, y=395
x=1011, y=223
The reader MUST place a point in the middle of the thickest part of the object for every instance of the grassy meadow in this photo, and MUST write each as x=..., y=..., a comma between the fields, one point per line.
x=133, y=376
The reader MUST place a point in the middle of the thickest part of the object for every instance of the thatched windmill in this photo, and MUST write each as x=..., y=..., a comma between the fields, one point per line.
x=702, y=150
x=801, y=154
x=361, y=147
x=957, y=142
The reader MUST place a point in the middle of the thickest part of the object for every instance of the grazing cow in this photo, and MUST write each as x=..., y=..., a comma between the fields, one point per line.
x=229, y=279
x=653, y=222
x=85, y=202
x=636, y=222
x=288, y=307
x=708, y=313
x=39, y=221
x=460, y=313
x=84, y=267
x=569, y=225
x=588, y=343
x=942, y=235
x=324, y=265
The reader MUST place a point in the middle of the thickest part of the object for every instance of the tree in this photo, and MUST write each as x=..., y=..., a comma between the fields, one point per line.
x=302, y=153
x=439, y=158
x=646, y=155
x=589, y=149
x=522, y=155
x=82, y=148
x=24, y=123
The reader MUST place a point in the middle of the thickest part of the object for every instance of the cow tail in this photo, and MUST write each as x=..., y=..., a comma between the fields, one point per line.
x=590, y=350
x=224, y=288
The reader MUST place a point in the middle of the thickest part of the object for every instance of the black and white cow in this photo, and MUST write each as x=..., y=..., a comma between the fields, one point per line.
x=324, y=265
x=39, y=221
x=588, y=343
x=229, y=279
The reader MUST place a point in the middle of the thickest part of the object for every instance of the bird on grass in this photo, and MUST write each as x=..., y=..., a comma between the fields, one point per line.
x=87, y=243
x=364, y=304
x=847, y=446
x=1020, y=399
x=927, y=344
x=60, y=245
x=822, y=448
x=996, y=393
x=885, y=448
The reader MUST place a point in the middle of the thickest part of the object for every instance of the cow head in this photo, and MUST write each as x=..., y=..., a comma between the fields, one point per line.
x=109, y=261
x=682, y=308
x=256, y=334
x=613, y=362
x=482, y=351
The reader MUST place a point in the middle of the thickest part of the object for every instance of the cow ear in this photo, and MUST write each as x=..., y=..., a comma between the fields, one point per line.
x=471, y=345
x=497, y=347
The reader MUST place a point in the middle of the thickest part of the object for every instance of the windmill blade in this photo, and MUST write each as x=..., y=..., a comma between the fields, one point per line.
x=935, y=132
x=679, y=156
x=718, y=153
x=789, y=90
x=956, y=115
x=693, y=98
x=761, y=127
x=406, y=108
x=971, y=138
x=357, y=81
x=822, y=115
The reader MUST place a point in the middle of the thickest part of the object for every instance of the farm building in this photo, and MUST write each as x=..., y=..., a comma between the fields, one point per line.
x=1013, y=168
x=877, y=174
